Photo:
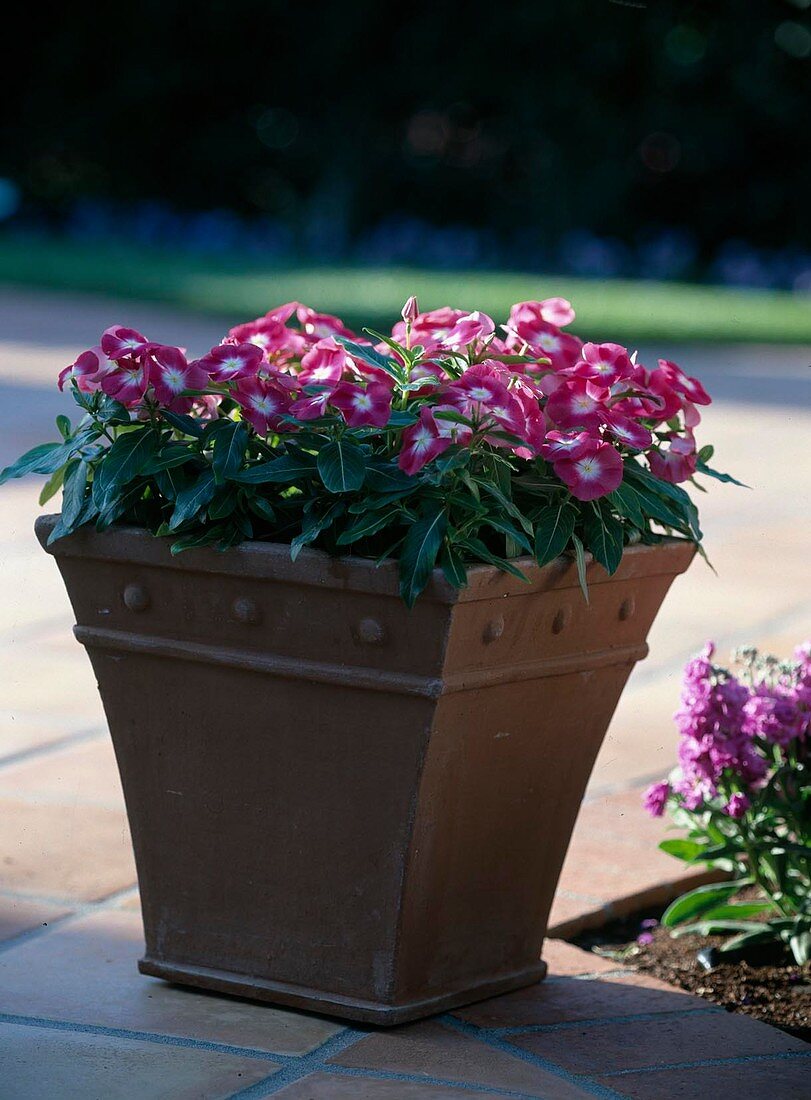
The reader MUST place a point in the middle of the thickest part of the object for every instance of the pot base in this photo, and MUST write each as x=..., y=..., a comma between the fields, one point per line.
x=333, y=1004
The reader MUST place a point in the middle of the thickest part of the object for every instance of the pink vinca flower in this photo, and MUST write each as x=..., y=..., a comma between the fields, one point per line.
x=320, y=325
x=605, y=364
x=311, y=406
x=571, y=445
x=263, y=404
x=627, y=430
x=429, y=329
x=682, y=383
x=551, y=311
x=593, y=474
x=170, y=374
x=229, y=362
x=576, y=404
x=422, y=442
x=119, y=342
x=360, y=406
x=674, y=461
x=272, y=336
x=87, y=371
x=472, y=328
x=324, y=364
x=127, y=381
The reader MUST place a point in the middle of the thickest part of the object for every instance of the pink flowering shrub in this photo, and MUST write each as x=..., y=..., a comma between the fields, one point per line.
x=448, y=443
x=742, y=790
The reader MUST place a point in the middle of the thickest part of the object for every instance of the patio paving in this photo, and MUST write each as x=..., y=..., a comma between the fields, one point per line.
x=75, y=1017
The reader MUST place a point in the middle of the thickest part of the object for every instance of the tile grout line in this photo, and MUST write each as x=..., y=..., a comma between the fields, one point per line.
x=90, y=733
x=496, y=1043
x=301, y=1066
x=736, y=1060
x=602, y=1021
x=426, y=1079
x=77, y=910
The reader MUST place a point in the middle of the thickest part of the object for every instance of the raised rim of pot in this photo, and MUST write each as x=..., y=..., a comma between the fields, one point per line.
x=316, y=568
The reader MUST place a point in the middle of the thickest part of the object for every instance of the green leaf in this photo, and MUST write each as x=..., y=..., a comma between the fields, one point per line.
x=315, y=524
x=52, y=485
x=111, y=411
x=284, y=469
x=625, y=500
x=706, y=452
x=63, y=426
x=341, y=466
x=419, y=552
x=126, y=459
x=738, y=910
x=554, y=527
x=387, y=477
x=800, y=944
x=604, y=537
x=368, y=525
x=224, y=503
x=373, y=358
x=453, y=567
x=764, y=934
x=116, y=504
x=42, y=459
x=688, y=850
x=695, y=902
x=580, y=560
x=229, y=450
x=717, y=927
x=703, y=468
x=262, y=508
x=172, y=454
x=510, y=530
x=205, y=537
x=193, y=499
x=74, y=493
x=185, y=424
x=482, y=553
x=171, y=482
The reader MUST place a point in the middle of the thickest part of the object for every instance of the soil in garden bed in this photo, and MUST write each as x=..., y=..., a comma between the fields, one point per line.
x=770, y=987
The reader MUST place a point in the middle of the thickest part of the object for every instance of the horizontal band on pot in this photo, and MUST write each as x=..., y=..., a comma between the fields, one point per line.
x=353, y=676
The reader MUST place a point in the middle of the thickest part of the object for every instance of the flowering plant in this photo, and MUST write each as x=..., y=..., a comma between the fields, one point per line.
x=444, y=443
x=742, y=791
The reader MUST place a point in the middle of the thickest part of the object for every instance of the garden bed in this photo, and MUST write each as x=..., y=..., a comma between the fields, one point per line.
x=769, y=987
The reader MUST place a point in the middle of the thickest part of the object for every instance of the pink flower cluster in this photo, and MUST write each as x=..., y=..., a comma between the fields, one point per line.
x=535, y=389
x=733, y=729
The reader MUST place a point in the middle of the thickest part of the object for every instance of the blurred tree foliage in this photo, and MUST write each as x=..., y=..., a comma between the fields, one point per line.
x=530, y=117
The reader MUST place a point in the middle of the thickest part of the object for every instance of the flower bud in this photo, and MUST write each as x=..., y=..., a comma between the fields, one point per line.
x=410, y=311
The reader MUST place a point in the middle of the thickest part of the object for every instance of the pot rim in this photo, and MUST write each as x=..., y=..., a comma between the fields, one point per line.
x=271, y=561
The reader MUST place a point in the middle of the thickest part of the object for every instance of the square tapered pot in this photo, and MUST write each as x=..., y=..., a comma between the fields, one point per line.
x=336, y=803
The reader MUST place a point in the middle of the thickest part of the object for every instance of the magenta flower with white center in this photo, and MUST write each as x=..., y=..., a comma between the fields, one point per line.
x=594, y=474
x=361, y=405
x=505, y=436
x=170, y=375
x=230, y=362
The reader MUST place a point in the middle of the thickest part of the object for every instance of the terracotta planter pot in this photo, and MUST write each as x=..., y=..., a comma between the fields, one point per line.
x=336, y=803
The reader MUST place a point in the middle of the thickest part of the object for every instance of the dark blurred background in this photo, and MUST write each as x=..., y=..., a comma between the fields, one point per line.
x=594, y=137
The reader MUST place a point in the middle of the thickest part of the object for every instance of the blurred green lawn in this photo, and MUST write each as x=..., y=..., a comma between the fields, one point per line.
x=239, y=287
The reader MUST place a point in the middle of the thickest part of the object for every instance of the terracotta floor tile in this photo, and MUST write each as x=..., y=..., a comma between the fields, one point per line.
x=671, y=1039
x=566, y=960
x=433, y=1050
x=326, y=1086
x=566, y=909
x=21, y=915
x=86, y=972
x=84, y=773
x=569, y=999
x=66, y=851
x=42, y=1062
x=775, y=1078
